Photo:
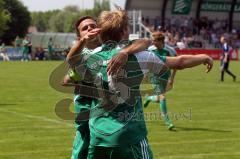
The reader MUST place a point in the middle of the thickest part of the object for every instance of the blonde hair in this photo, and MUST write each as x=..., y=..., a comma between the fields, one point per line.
x=112, y=24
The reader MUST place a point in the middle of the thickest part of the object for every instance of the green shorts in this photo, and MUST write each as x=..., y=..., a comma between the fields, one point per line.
x=80, y=145
x=160, y=82
x=140, y=150
x=82, y=138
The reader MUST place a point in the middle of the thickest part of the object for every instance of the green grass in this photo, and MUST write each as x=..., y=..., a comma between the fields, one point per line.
x=30, y=129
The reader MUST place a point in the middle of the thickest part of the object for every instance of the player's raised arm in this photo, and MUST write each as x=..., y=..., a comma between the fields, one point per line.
x=71, y=78
x=172, y=77
x=157, y=64
x=188, y=61
x=74, y=54
x=120, y=59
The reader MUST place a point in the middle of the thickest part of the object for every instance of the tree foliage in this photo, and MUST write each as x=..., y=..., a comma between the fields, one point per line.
x=15, y=18
x=19, y=20
x=41, y=19
x=63, y=20
x=4, y=18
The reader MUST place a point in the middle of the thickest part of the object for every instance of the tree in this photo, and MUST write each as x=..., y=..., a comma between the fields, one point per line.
x=20, y=20
x=41, y=19
x=71, y=8
x=64, y=20
x=4, y=18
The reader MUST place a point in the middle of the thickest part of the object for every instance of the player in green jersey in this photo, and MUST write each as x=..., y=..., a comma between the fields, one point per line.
x=25, y=49
x=165, y=82
x=117, y=125
x=85, y=29
x=81, y=103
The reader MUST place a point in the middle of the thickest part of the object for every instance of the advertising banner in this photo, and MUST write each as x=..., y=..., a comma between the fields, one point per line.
x=182, y=6
x=219, y=6
x=215, y=53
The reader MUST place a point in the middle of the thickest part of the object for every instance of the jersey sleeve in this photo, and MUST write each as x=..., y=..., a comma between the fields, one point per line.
x=225, y=48
x=171, y=50
x=156, y=68
x=150, y=63
x=74, y=75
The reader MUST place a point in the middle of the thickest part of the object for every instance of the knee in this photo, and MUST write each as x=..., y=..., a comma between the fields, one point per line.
x=161, y=97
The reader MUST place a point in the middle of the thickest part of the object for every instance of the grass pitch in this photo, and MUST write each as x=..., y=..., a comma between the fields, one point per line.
x=204, y=111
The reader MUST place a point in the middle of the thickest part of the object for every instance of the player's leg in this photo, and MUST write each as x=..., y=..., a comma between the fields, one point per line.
x=25, y=56
x=99, y=152
x=163, y=108
x=140, y=150
x=222, y=66
x=148, y=99
x=229, y=72
x=82, y=138
x=80, y=145
x=222, y=75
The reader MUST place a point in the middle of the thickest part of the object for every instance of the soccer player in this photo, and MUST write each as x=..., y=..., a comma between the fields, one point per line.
x=225, y=59
x=117, y=125
x=159, y=49
x=50, y=48
x=85, y=29
x=25, y=50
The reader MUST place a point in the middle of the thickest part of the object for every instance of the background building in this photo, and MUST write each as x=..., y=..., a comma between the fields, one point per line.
x=166, y=9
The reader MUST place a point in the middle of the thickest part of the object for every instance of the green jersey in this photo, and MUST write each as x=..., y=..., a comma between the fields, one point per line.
x=171, y=50
x=160, y=82
x=72, y=72
x=76, y=77
x=81, y=102
x=82, y=105
x=117, y=118
x=25, y=46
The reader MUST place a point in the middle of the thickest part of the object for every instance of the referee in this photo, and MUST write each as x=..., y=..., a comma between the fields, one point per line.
x=225, y=59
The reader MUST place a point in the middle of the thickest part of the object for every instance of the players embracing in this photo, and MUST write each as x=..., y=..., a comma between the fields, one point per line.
x=111, y=136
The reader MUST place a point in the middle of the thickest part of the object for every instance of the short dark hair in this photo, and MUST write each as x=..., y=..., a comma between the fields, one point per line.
x=79, y=21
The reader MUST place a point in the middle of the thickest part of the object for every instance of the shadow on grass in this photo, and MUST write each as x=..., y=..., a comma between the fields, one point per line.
x=175, y=129
x=7, y=104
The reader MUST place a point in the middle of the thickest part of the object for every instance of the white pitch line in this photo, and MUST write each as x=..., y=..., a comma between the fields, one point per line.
x=43, y=118
x=32, y=152
x=9, y=140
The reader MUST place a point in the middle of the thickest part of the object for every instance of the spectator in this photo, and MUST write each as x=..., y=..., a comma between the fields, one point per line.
x=3, y=52
x=39, y=54
x=157, y=23
x=50, y=48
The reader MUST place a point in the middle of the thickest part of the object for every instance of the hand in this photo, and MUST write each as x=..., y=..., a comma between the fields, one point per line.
x=91, y=34
x=116, y=63
x=170, y=82
x=225, y=60
x=209, y=62
x=169, y=85
x=66, y=81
